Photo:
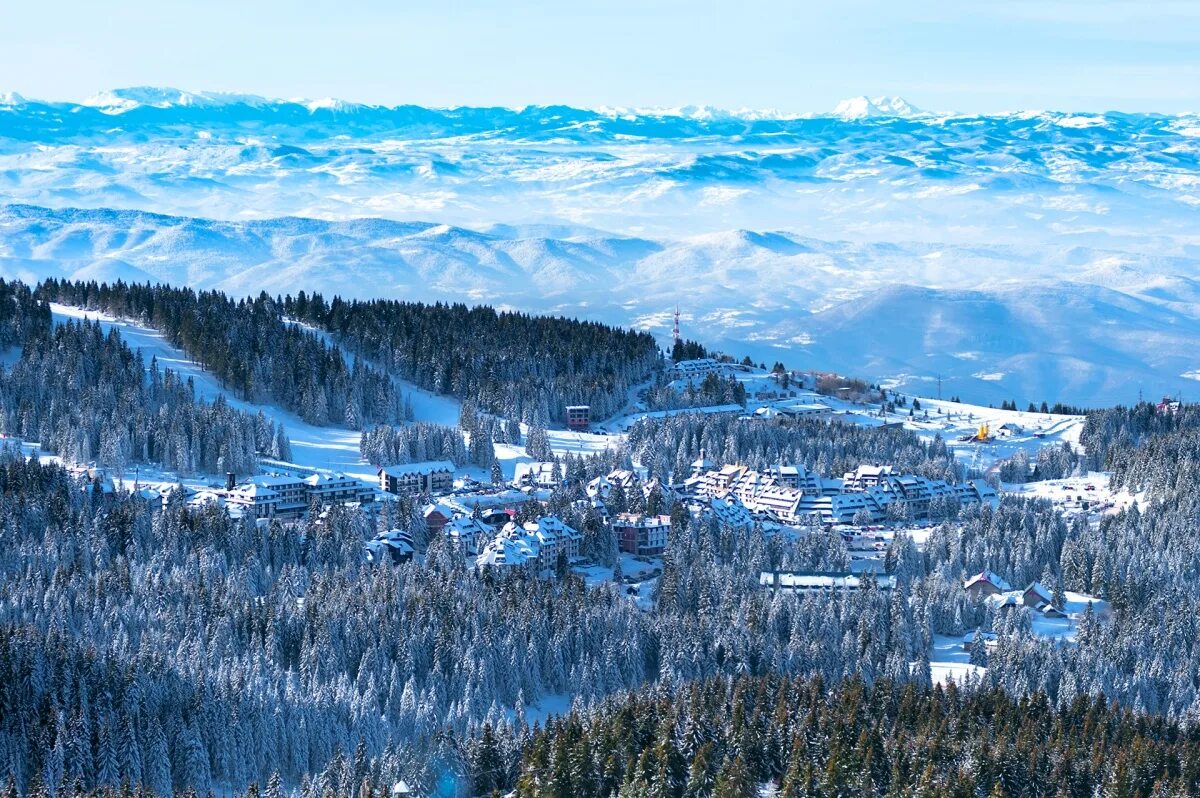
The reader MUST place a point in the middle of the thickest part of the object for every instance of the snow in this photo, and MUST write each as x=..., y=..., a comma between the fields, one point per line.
x=639, y=577
x=323, y=448
x=866, y=108
x=427, y=406
x=1090, y=495
x=779, y=236
x=949, y=662
x=937, y=418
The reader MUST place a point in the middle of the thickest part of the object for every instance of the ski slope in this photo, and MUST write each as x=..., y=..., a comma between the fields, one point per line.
x=320, y=448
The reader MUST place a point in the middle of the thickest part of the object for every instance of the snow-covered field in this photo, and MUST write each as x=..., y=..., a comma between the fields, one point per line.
x=948, y=420
x=948, y=661
x=1090, y=495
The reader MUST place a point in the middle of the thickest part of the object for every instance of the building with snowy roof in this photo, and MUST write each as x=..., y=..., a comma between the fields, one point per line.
x=819, y=581
x=986, y=583
x=324, y=488
x=436, y=516
x=255, y=501
x=538, y=542
x=696, y=370
x=546, y=475
x=731, y=512
x=471, y=535
x=394, y=546
x=866, y=476
x=645, y=535
x=1036, y=594
x=431, y=478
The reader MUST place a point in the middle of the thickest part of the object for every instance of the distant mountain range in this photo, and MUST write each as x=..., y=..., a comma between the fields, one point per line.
x=1023, y=256
x=1085, y=326
x=120, y=101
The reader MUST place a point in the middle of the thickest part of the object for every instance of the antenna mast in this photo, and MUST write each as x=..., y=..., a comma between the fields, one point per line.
x=675, y=329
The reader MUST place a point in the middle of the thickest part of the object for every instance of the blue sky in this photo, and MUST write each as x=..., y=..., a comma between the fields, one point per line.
x=792, y=56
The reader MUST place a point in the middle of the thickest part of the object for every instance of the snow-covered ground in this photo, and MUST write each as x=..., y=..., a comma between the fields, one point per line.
x=1091, y=495
x=948, y=661
x=851, y=242
x=337, y=449
x=427, y=405
x=639, y=577
x=948, y=420
x=314, y=447
x=322, y=448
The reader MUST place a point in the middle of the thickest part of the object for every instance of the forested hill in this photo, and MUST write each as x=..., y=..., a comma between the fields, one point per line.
x=725, y=737
x=86, y=396
x=511, y=364
x=249, y=346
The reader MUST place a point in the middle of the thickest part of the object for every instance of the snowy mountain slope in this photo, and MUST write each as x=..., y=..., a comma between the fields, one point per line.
x=901, y=312
x=868, y=107
x=1086, y=340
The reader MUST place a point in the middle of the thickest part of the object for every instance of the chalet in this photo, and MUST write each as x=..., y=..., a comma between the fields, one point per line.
x=1005, y=601
x=820, y=581
x=601, y=487
x=986, y=583
x=471, y=535
x=641, y=534
x=436, y=517
x=541, y=475
x=1036, y=595
x=1050, y=611
x=431, y=478
x=206, y=498
x=394, y=546
x=971, y=639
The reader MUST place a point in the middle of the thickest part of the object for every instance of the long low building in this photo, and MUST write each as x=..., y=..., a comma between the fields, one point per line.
x=791, y=494
x=288, y=496
x=819, y=581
